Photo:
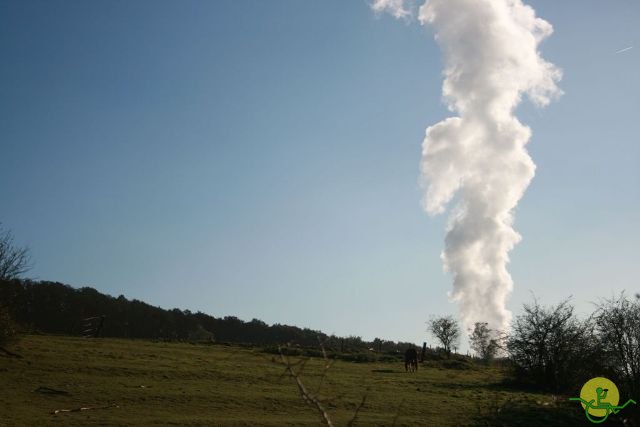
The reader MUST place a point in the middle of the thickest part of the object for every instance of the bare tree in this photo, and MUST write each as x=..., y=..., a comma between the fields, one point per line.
x=483, y=341
x=446, y=330
x=617, y=322
x=14, y=260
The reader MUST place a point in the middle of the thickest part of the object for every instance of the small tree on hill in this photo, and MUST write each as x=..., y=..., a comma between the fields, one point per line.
x=446, y=330
x=483, y=341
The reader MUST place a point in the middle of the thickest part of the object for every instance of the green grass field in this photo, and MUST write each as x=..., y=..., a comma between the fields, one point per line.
x=186, y=384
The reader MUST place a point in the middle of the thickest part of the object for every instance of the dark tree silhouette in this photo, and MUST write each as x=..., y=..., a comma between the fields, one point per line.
x=446, y=330
x=57, y=308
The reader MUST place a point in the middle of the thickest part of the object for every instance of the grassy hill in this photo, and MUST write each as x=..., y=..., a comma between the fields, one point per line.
x=145, y=382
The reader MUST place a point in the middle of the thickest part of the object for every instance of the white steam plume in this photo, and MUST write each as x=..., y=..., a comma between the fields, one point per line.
x=491, y=59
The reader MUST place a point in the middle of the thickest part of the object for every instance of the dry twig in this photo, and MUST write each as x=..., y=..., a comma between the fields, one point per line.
x=84, y=408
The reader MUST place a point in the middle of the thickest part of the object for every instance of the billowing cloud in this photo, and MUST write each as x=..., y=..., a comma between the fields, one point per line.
x=478, y=157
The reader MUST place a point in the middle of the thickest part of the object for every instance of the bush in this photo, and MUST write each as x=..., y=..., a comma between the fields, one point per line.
x=551, y=348
x=617, y=323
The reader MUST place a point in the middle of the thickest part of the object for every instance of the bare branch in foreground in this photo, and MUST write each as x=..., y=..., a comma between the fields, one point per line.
x=308, y=397
x=328, y=363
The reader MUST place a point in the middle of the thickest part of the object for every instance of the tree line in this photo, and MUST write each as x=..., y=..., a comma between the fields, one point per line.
x=52, y=307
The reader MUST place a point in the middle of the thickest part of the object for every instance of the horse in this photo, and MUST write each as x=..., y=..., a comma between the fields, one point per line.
x=411, y=360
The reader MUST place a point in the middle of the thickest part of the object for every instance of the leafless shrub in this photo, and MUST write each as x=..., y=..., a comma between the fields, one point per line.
x=617, y=323
x=551, y=347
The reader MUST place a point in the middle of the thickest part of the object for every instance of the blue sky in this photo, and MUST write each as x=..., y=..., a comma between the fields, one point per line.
x=260, y=159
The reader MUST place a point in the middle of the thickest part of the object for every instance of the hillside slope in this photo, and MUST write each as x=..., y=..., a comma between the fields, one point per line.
x=184, y=384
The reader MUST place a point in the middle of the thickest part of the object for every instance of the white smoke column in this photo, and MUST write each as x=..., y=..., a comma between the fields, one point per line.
x=491, y=59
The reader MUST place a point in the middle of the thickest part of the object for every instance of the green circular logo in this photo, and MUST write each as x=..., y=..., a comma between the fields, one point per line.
x=599, y=398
